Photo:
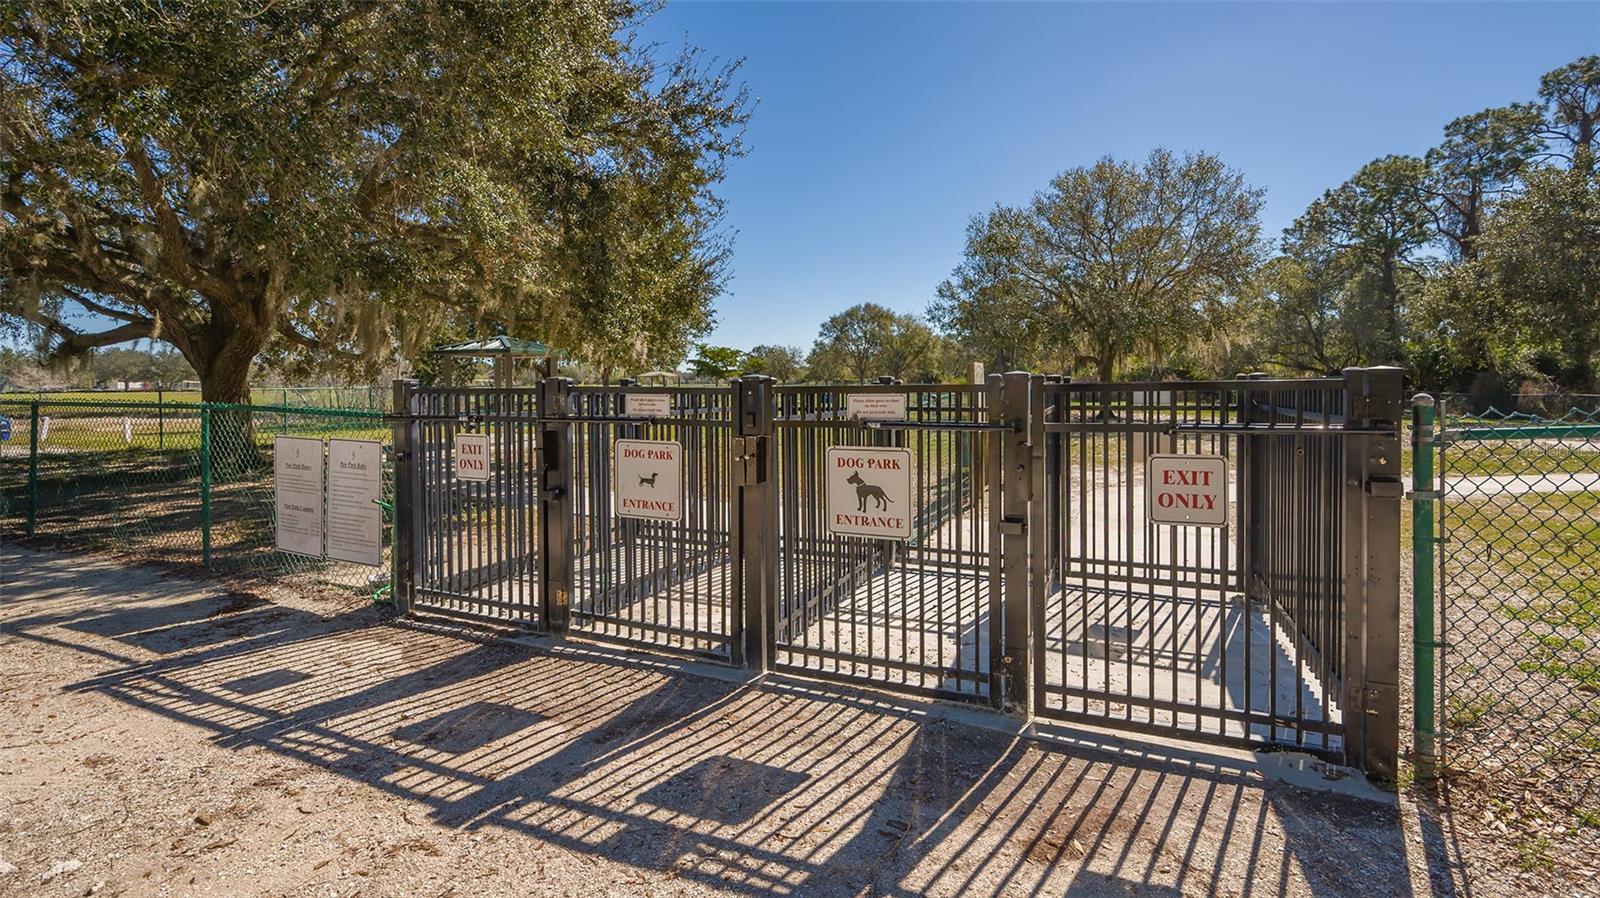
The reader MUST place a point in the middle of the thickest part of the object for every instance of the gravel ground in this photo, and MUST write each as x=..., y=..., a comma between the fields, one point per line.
x=170, y=736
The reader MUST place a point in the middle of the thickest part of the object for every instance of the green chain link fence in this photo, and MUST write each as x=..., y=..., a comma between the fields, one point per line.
x=1507, y=544
x=183, y=483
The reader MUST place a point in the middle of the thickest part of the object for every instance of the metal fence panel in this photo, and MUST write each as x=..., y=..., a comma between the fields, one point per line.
x=1518, y=591
x=1230, y=633
x=912, y=615
x=666, y=584
x=181, y=483
x=474, y=542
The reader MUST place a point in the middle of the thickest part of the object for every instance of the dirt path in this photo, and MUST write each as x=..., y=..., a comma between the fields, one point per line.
x=167, y=736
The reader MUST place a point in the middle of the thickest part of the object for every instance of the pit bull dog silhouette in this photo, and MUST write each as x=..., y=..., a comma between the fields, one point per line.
x=865, y=491
x=649, y=481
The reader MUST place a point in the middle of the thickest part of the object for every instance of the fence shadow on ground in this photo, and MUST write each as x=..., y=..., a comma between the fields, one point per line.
x=762, y=788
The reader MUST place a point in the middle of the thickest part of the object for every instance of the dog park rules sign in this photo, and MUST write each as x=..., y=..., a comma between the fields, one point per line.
x=869, y=492
x=1187, y=489
x=648, y=480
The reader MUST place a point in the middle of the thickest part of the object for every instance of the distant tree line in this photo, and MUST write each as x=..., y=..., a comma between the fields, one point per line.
x=1475, y=265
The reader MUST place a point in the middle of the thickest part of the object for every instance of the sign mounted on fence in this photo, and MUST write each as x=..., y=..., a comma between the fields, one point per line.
x=869, y=492
x=1187, y=489
x=297, y=486
x=875, y=406
x=648, y=479
x=472, y=456
x=647, y=405
x=355, y=487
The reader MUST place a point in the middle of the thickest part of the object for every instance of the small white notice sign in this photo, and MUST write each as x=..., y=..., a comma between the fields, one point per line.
x=875, y=406
x=297, y=494
x=869, y=492
x=1187, y=489
x=355, y=484
x=648, y=479
x=647, y=405
x=472, y=456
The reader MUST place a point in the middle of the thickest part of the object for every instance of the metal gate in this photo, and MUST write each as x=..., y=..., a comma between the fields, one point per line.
x=665, y=584
x=1033, y=577
x=913, y=615
x=1278, y=626
x=467, y=548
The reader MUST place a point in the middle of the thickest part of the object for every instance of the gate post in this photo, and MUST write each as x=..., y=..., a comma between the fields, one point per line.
x=755, y=535
x=1423, y=595
x=1372, y=493
x=1012, y=400
x=403, y=525
x=555, y=503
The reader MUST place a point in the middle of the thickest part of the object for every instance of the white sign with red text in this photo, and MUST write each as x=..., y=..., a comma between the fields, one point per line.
x=1187, y=489
x=869, y=492
x=472, y=456
x=648, y=479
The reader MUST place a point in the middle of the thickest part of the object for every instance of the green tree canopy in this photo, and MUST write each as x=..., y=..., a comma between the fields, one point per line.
x=1108, y=260
x=868, y=341
x=785, y=363
x=716, y=362
x=346, y=179
x=1375, y=226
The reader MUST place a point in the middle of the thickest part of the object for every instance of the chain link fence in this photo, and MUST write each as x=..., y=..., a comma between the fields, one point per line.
x=1516, y=641
x=349, y=398
x=183, y=483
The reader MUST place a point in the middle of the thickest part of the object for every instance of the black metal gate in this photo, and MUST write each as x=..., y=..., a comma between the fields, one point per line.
x=468, y=548
x=1033, y=577
x=653, y=583
x=913, y=615
x=1245, y=632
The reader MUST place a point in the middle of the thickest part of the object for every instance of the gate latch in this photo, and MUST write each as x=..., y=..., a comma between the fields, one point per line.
x=1013, y=525
x=1385, y=487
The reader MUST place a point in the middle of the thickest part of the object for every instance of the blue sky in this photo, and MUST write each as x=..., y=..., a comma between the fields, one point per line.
x=882, y=128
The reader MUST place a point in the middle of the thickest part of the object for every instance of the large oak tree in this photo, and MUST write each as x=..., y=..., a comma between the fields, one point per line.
x=1108, y=260
x=342, y=180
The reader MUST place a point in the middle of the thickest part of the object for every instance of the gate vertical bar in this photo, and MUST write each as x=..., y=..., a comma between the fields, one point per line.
x=1011, y=398
x=555, y=502
x=33, y=466
x=1372, y=493
x=1424, y=641
x=402, y=550
x=754, y=538
x=205, y=485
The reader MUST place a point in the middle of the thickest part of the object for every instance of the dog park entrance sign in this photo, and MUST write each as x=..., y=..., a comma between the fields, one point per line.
x=869, y=492
x=1187, y=489
x=648, y=481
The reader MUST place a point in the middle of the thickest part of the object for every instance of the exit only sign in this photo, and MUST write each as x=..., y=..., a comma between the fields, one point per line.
x=1187, y=489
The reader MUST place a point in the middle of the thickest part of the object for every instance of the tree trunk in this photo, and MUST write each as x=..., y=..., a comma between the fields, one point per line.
x=222, y=355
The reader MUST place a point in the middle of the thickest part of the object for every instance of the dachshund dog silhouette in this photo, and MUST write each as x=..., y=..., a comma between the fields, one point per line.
x=649, y=481
x=865, y=491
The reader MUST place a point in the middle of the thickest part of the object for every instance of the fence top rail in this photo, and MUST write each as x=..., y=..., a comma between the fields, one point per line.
x=1253, y=385
x=889, y=389
x=1520, y=432
x=151, y=407
x=658, y=390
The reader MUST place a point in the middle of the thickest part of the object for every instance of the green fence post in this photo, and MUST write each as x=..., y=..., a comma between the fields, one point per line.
x=33, y=466
x=161, y=420
x=205, y=486
x=1423, y=496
